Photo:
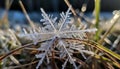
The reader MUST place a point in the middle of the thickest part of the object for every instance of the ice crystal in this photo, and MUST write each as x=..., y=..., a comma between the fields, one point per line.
x=53, y=30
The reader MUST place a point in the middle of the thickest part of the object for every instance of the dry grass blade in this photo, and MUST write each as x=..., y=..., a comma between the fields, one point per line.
x=74, y=13
x=113, y=22
x=77, y=40
x=4, y=20
x=108, y=60
x=13, y=51
x=100, y=48
x=25, y=12
x=19, y=66
x=96, y=45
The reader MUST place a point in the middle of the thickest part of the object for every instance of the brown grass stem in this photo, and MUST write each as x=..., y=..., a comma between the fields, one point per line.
x=26, y=14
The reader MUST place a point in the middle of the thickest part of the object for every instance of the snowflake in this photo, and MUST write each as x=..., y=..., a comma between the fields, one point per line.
x=53, y=30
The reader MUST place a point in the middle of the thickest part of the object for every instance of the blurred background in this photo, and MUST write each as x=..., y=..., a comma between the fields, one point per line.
x=59, y=5
x=15, y=14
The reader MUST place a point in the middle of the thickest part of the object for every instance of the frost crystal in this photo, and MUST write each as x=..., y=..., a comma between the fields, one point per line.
x=54, y=30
